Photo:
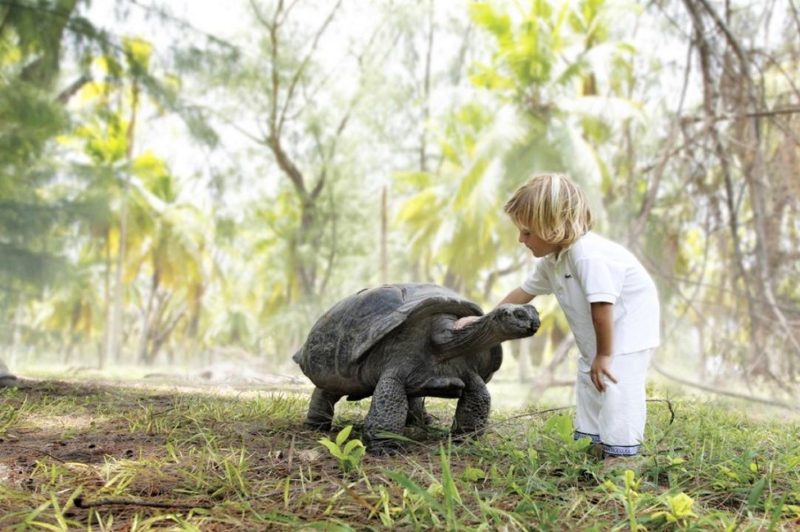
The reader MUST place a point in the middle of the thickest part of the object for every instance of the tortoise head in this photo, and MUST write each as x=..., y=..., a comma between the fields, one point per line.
x=515, y=321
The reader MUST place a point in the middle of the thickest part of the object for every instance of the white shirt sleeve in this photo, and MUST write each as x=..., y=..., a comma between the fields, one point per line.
x=602, y=279
x=537, y=283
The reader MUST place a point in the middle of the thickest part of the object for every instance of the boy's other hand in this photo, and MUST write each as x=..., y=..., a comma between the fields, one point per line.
x=463, y=322
x=601, y=368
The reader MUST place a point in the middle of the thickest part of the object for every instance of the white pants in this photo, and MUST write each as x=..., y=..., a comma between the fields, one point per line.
x=615, y=418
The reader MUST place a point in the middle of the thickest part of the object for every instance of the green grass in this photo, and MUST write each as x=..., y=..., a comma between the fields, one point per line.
x=80, y=456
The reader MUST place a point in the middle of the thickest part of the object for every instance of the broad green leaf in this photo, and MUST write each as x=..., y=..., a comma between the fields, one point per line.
x=353, y=446
x=343, y=435
x=332, y=448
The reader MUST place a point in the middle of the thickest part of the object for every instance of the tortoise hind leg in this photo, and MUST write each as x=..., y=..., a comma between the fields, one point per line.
x=387, y=413
x=320, y=409
x=472, y=411
x=417, y=416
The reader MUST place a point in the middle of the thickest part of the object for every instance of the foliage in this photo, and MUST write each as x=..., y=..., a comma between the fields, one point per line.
x=679, y=510
x=259, y=180
x=29, y=119
x=130, y=456
x=348, y=454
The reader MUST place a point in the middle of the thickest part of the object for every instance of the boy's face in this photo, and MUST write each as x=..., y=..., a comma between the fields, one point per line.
x=538, y=247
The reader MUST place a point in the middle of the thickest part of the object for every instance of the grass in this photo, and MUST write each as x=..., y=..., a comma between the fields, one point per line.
x=82, y=456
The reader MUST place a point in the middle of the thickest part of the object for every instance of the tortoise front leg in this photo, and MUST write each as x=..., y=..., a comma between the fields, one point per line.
x=320, y=409
x=472, y=411
x=387, y=413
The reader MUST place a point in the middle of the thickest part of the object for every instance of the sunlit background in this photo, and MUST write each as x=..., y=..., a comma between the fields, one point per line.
x=186, y=186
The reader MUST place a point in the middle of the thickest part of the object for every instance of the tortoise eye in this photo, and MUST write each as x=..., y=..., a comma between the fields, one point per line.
x=520, y=314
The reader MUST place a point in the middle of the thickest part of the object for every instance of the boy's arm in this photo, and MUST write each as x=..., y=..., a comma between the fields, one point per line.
x=518, y=296
x=603, y=321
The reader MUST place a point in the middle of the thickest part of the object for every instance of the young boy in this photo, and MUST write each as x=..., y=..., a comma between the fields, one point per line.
x=610, y=302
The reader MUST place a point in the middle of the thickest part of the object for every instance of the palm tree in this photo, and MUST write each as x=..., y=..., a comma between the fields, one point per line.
x=540, y=110
x=169, y=255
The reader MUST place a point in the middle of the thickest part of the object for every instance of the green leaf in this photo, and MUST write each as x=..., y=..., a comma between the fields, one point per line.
x=681, y=506
x=473, y=474
x=138, y=52
x=332, y=448
x=755, y=493
x=352, y=447
x=414, y=488
x=581, y=443
x=469, y=182
x=149, y=165
x=484, y=15
x=394, y=436
x=418, y=206
x=561, y=426
x=343, y=435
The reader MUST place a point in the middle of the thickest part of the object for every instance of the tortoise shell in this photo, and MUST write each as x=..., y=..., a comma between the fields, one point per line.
x=355, y=324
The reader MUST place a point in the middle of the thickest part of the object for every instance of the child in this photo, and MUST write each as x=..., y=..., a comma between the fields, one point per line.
x=609, y=300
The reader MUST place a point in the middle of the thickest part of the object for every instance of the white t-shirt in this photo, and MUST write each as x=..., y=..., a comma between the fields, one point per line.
x=595, y=269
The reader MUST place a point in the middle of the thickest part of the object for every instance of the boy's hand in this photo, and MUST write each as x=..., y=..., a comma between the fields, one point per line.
x=603, y=321
x=600, y=369
x=463, y=322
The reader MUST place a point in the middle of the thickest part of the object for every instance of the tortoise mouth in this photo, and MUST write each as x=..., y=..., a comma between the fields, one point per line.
x=521, y=330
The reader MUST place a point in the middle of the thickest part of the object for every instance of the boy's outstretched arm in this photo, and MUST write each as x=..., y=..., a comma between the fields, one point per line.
x=517, y=296
x=603, y=321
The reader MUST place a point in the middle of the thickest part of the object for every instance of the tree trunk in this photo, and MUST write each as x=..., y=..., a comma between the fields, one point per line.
x=384, y=260
x=522, y=347
x=103, y=350
x=115, y=326
x=115, y=330
x=147, y=318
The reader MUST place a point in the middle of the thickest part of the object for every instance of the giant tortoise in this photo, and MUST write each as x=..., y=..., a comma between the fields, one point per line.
x=397, y=344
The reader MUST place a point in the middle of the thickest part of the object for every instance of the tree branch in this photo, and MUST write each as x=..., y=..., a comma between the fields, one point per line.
x=80, y=502
x=719, y=391
x=65, y=95
x=304, y=63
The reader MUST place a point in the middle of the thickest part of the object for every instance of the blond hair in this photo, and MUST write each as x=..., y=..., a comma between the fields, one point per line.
x=553, y=207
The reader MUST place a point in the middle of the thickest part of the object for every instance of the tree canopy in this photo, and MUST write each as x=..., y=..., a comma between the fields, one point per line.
x=189, y=189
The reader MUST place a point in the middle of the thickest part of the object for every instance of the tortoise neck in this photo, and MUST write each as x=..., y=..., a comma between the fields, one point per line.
x=476, y=337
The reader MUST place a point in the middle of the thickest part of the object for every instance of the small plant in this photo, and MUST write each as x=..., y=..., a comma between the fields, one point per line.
x=348, y=454
x=560, y=449
x=679, y=510
x=629, y=495
x=559, y=427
